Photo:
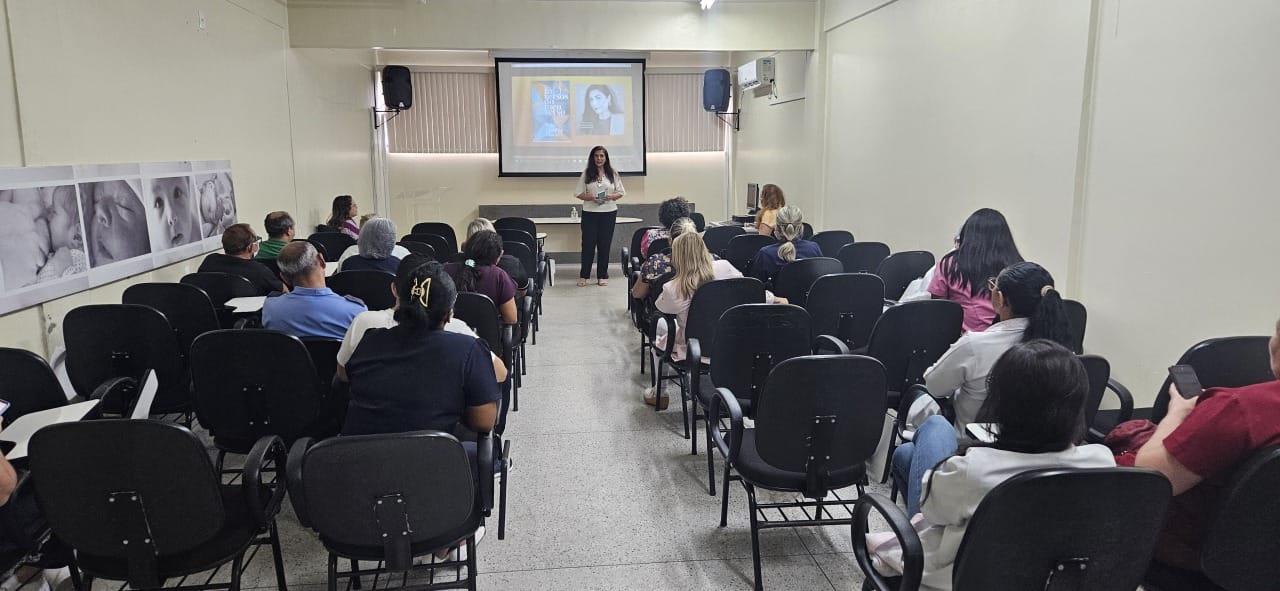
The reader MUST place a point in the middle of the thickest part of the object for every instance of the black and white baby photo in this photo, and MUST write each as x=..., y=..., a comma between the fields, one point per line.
x=172, y=216
x=41, y=239
x=115, y=221
x=217, y=198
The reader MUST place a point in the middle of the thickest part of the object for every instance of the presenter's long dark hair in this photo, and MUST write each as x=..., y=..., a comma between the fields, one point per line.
x=591, y=174
x=985, y=248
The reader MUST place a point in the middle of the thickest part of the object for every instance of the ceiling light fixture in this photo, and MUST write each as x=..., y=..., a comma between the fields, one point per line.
x=707, y=4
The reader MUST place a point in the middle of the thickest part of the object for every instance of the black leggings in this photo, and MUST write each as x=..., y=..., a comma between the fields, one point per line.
x=597, y=236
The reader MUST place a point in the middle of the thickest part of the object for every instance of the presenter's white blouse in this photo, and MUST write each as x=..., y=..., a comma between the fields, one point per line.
x=601, y=184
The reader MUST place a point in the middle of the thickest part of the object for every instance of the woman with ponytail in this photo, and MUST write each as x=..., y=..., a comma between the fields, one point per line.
x=791, y=246
x=479, y=273
x=1028, y=307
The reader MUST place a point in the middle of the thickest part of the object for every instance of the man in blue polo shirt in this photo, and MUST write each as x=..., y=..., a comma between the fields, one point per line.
x=310, y=309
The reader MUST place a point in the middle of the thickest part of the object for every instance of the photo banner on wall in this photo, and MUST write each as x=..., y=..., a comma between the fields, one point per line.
x=72, y=228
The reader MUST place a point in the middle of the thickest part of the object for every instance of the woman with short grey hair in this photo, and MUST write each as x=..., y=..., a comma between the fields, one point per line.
x=376, y=243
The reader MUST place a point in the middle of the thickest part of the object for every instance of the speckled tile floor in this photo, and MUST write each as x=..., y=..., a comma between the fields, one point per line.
x=604, y=494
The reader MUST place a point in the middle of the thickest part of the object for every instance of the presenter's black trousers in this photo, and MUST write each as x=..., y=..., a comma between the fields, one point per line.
x=597, y=235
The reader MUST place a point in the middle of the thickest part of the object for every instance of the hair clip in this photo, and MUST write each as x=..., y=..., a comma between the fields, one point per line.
x=1044, y=291
x=422, y=290
x=470, y=263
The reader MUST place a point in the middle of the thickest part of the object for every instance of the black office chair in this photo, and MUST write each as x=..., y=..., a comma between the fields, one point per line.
x=221, y=287
x=863, y=257
x=324, y=356
x=628, y=253
x=481, y=314
x=420, y=496
x=108, y=343
x=28, y=383
x=831, y=241
x=139, y=502
x=705, y=308
x=1077, y=320
x=1099, y=535
x=187, y=308
x=516, y=223
x=846, y=306
x=331, y=244
x=1227, y=362
x=699, y=221
x=656, y=246
x=273, y=266
x=816, y=423
x=439, y=229
x=319, y=246
x=808, y=231
x=444, y=251
x=1099, y=372
x=796, y=278
x=525, y=238
x=717, y=238
x=416, y=247
x=901, y=268
x=743, y=248
x=1238, y=552
x=372, y=287
x=536, y=270
x=643, y=314
x=252, y=383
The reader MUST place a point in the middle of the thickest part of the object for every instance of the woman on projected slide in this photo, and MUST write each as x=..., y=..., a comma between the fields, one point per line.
x=602, y=113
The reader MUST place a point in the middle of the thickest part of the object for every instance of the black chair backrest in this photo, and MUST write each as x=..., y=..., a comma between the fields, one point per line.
x=796, y=278
x=421, y=479
x=901, y=268
x=480, y=313
x=808, y=231
x=522, y=237
x=525, y=255
x=254, y=382
x=439, y=229
x=637, y=236
x=438, y=243
x=717, y=238
x=107, y=341
x=100, y=482
x=1099, y=536
x=910, y=337
x=221, y=287
x=333, y=244
x=1226, y=362
x=416, y=247
x=1077, y=319
x=658, y=245
x=863, y=257
x=831, y=241
x=272, y=265
x=324, y=356
x=187, y=308
x=833, y=405
x=319, y=246
x=712, y=300
x=845, y=306
x=743, y=248
x=699, y=221
x=522, y=224
x=1240, y=548
x=1099, y=372
x=372, y=287
x=753, y=338
x=28, y=383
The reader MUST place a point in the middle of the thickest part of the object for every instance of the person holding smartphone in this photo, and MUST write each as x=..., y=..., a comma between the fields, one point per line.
x=599, y=188
x=1199, y=444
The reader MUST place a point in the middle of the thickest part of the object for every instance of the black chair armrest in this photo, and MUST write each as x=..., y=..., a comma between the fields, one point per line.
x=267, y=454
x=889, y=302
x=1126, y=409
x=484, y=466
x=508, y=340
x=900, y=524
x=671, y=332
x=693, y=361
x=914, y=392
x=826, y=342
x=725, y=401
x=116, y=395
x=293, y=471
x=626, y=260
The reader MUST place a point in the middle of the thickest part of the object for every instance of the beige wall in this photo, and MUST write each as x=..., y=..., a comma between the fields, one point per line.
x=558, y=25
x=156, y=89
x=10, y=140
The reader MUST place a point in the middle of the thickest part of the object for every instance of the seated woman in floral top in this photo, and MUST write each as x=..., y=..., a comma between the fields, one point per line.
x=659, y=263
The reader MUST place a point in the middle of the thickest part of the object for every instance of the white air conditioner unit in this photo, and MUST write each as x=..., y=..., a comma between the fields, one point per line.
x=756, y=73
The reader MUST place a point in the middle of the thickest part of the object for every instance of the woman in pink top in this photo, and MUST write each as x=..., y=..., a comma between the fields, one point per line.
x=983, y=248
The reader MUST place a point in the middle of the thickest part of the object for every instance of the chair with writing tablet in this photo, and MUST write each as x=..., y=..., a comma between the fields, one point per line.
x=863, y=257
x=439, y=229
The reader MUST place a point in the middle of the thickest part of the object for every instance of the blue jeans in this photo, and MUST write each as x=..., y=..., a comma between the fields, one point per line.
x=934, y=441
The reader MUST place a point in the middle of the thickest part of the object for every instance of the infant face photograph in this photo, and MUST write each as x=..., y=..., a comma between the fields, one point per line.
x=217, y=199
x=41, y=239
x=116, y=221
x=171, y=213
x=601, y=110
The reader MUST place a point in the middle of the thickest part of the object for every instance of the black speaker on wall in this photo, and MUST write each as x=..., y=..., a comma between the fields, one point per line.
x=715, y=90
x=397, y=87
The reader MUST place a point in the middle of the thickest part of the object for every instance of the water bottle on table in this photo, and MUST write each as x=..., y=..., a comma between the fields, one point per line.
x=573, y=213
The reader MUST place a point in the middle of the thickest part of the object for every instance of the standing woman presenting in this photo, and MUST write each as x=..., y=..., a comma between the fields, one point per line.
x=598, y=188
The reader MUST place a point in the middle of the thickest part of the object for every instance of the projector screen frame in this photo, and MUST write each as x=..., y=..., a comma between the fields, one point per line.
x=644, y=140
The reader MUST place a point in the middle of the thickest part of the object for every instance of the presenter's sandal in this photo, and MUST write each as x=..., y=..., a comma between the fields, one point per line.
x=603, y=283
x=582, y=283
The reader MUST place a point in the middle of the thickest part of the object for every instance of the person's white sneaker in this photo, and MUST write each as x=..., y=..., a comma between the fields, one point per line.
x=460, y=553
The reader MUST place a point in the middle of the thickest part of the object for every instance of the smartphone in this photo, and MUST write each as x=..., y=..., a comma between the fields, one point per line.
x=600, y=196
x=4, y=406
x=1184, y=376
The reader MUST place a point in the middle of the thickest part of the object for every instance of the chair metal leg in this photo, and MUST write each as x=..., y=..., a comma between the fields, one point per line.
x=471, y=563
x=333, y=572
x=502, y=492
x=684, y=412
x=515, y=398
x=77, y=582
x=755, y=536
x=523, y=356
x=711, y=461
x=278, y=557
x=355, y=580
x=724, y=500
x=642, y=353
x=693, y=426
x=236, y=571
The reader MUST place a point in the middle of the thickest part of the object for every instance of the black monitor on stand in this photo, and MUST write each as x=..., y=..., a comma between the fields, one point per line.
x=753, y=204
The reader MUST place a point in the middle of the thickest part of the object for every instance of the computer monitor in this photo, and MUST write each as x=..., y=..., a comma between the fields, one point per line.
x=753, y=196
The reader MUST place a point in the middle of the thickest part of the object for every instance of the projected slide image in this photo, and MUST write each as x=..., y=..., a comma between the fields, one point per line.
x=41, y=239
x=600, y=109
x=116, y=221
x=549, y=107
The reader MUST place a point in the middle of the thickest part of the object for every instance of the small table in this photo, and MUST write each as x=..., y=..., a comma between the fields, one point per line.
x=20, y=432
x=569, y=220
x=247, y=305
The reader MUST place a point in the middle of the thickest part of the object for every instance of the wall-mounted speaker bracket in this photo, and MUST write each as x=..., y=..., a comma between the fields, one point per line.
x=736, y=123
x=376, y=124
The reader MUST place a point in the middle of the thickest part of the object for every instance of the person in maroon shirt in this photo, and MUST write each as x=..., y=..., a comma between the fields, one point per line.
x=1198, y=445
x=479, y=272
